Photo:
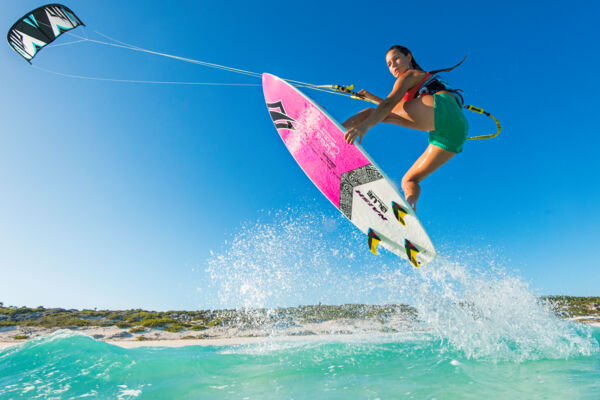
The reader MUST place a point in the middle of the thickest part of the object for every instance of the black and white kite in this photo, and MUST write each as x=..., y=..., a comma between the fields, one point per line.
x=40, y=27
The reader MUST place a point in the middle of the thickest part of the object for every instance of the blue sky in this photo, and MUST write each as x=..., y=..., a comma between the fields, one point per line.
x=114, y=194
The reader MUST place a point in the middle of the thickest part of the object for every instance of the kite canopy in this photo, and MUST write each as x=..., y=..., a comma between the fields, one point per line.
x=40, y=27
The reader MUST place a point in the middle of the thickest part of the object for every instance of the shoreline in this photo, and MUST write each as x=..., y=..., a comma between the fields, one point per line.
x=140, y=328
x=232, y=341
x=220, y=336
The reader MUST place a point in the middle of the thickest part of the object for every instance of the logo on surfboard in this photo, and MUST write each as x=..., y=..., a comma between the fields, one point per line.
x=378, y=201
x=371, y=205
x=279, y=117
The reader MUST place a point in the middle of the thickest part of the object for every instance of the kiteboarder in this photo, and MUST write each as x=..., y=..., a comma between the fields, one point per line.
x=422, y=101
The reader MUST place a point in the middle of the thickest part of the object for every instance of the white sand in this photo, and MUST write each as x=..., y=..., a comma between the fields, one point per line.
x=221, y=336
x=217, y=336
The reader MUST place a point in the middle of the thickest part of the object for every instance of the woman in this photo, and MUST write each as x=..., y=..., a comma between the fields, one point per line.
x=420, y=101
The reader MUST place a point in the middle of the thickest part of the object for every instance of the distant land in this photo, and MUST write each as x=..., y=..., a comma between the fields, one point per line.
x=22, y=323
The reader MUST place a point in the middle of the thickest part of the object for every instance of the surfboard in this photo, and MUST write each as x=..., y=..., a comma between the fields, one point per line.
x=345, y=173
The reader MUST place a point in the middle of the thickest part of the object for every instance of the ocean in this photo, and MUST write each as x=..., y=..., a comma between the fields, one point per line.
x=481, y=332
x=68, y=365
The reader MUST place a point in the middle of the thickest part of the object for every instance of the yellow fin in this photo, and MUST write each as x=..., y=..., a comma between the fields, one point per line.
x=399, y=212
x=411, y=252
x=373, y=241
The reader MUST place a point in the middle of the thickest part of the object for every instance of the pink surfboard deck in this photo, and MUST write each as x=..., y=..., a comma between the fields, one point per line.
x=344, y=173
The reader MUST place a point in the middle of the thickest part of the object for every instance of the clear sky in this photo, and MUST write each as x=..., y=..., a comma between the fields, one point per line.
x=115, y=194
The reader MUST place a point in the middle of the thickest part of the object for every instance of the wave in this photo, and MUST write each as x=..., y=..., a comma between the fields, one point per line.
x=469, y=303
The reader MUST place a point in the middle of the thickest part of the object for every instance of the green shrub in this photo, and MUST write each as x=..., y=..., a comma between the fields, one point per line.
x=157, y=322
x=203, y=336
x=113, y=315
x=91, y=313
x=61, y=320
x=174, y=327
x=141, y=315
x=198, y=327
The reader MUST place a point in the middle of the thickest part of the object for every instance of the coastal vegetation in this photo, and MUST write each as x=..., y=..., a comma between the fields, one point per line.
x=570, y=306
x=175, y=321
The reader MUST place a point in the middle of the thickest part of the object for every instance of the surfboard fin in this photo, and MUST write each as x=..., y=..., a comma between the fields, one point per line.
x=411, y=252
x=399, y=212
x=373, y=240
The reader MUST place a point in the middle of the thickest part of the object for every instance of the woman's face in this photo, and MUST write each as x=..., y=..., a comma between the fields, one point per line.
x=397, y=62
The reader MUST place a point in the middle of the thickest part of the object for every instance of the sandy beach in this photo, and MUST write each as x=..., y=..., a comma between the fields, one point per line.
x=231, y=336
x=216, y=336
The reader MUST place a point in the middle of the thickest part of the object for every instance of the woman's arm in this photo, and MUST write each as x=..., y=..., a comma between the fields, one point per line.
x=404, y=82
x=370, y=96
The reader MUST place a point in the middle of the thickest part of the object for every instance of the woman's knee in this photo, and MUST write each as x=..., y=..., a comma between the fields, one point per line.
x=408, y=181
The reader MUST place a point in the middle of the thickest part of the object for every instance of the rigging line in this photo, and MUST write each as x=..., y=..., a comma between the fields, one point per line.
x=141, y=81
x=124, y=45
x=204, y=63
x=65, y=44
x=326, y=90
x=84, y=30
x=218, y=66
x=139, y=49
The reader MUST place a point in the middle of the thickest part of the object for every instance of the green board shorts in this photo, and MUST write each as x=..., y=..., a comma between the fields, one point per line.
x=451, y=126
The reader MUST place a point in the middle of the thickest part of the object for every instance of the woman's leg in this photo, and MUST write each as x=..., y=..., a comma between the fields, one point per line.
x=392, y=118
x=433, y=158
x=416, y=114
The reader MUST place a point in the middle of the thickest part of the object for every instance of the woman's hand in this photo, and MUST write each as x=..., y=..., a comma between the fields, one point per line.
x=369, y=96
x=356, y=132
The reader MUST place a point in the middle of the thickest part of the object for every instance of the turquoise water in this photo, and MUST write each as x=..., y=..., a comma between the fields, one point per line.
x=67, y=365
x=481, y=333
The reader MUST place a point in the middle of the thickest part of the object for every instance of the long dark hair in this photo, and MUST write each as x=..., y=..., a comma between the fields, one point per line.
x=406, y=52
x=415, y=65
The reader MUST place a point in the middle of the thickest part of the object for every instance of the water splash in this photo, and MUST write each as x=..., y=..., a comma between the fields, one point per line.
x=295, y=258
x=469, y=303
